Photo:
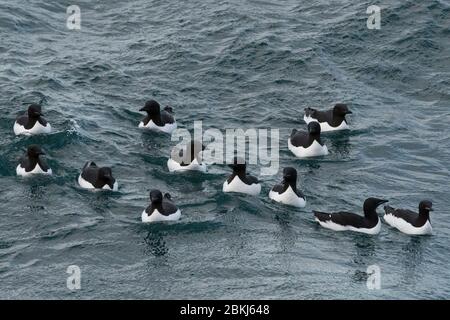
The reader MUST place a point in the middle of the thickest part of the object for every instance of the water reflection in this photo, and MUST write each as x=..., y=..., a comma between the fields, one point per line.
x=156, y=245
x=340, y=144
x=36, y=193
x=364, y=257
x=100, y=202
x=412, y=258
x=286, y=235
x=311, y=164
x=153, y=142
x=365, y=248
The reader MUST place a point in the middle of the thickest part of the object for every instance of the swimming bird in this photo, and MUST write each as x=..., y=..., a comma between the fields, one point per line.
x=307, y=144
x=346, y=221
x=188, y=158
x=330, y=120
x=156, y=119
x=408, y=221
x=33, y=163
x=286, y=192
x=239, y=181
x=161, y=208
x=94, y=177
x=32, y=123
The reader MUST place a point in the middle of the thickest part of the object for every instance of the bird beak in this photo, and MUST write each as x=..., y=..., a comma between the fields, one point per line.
x=383, y=201
x=348, y=112
x=141, y=109
x=42, y=153
x=429, y=209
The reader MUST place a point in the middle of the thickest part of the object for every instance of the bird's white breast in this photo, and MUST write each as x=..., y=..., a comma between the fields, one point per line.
x=194, y=165
x=325, y=127
x=314, y=150
x=406, y=227
x=156, y=216
x=115, y=186
x=288, y=197
x=37, y=170
x=237, y=185
x=338, y=227
x=87, y=185
x=37, y=129
x=167, y=128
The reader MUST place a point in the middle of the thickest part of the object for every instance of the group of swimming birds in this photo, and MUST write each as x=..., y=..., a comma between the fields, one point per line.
x=302, y=143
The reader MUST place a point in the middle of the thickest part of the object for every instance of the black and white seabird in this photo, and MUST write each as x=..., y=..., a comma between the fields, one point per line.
x=32, y=123
x=330, y=120
x=187, y=158
x=408, y=221
x=156, y=119
x=33, y=162
x=306, y=144
x=286, y=192
x=161, y=208
x=94, y=177
x=347, y=221
x=239, y=181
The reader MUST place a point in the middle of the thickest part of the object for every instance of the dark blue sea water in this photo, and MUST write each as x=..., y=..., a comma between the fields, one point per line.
x=231, y=64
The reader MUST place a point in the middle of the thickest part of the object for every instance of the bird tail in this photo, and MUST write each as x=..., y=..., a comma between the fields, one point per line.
x=310, y=112
x=169, y=109
x=89, y=164
x=388, y=209
x=294, y=131
x=322, y=216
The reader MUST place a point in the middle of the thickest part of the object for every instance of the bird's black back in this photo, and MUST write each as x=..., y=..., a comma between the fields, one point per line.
x=28, y=123
x=166, y=207
x=160, y=119
x=347, y=219
x=166, y=117
x=409, y=216
x=303, y=139
x=30, y=163
x=283, y=186
x=325, y=116
x=90, y=173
